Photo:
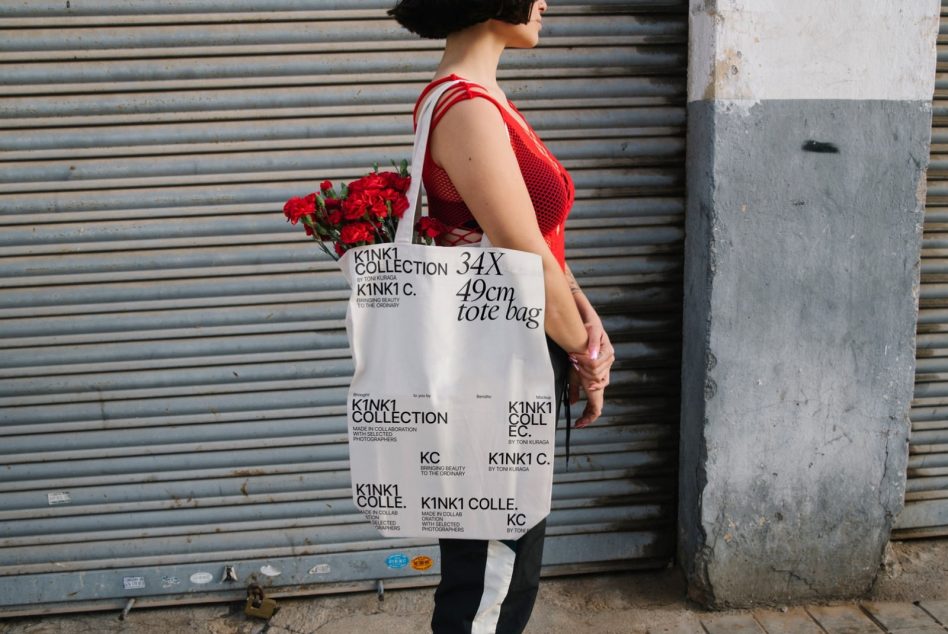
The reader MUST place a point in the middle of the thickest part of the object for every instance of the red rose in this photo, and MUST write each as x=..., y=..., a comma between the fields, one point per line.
x=394, y=181
x=354, y=206
x=356, y=232
x=296, y=207
x=428, y=227
x=325, y=186
x=378, y=208
x=369, y=181
x=398, y=201
x=399, y=205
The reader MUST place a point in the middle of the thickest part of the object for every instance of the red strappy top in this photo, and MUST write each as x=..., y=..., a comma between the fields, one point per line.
x=549, y=184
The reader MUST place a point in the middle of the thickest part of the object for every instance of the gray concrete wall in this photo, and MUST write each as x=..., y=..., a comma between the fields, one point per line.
x=801, y=277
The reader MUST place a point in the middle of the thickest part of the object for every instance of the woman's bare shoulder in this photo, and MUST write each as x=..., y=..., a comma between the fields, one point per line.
x=469, y=123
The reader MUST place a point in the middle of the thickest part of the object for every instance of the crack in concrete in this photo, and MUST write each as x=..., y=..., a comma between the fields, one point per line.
x=794, y=575
x=885, y=471
x=332, y=620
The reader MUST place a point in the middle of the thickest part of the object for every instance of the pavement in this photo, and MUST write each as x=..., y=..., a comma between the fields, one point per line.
x=910, y=596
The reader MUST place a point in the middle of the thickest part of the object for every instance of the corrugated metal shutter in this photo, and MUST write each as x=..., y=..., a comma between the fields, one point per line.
x=174, y=366
x=926, y=496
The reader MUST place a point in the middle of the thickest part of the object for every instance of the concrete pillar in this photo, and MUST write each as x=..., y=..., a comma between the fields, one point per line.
x=808, y=136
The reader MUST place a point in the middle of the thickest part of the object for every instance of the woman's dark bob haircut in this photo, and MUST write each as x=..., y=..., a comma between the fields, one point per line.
x=437, y=19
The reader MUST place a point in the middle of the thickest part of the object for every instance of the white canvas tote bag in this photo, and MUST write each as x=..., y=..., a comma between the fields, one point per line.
x=452, y=405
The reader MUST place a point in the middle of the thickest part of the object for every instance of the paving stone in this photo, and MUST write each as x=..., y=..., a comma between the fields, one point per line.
x=900, y=615
x=731, y=624
x=670, y=620
x=842, y=619
x=670, y=623
x=793, y=621
x=938, y=609
x=674, y=629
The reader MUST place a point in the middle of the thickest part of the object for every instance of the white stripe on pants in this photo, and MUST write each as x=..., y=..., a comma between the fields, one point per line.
x=497, y=575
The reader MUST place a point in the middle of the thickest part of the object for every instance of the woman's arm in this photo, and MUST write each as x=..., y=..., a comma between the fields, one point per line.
x=471, y=144
x=591, y=370
x=594, y=365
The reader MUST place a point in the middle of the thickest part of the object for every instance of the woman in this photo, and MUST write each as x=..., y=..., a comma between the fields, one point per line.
x=486, y=170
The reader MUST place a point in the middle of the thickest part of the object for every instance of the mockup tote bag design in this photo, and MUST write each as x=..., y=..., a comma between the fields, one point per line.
x=451, y=410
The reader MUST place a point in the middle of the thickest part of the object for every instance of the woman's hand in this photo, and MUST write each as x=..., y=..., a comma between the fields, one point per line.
x=594, y=399
x=590, y=368
x=594, y=365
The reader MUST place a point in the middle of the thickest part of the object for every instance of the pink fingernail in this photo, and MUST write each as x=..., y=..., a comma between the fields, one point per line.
x=594, y=354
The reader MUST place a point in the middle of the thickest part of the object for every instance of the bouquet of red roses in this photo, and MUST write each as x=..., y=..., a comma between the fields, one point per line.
x=365, y=211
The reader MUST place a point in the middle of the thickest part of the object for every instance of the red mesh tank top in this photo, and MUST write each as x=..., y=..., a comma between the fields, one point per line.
x=549, y=184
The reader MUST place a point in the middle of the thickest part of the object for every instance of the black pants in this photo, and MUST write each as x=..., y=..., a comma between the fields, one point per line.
x=474, y=596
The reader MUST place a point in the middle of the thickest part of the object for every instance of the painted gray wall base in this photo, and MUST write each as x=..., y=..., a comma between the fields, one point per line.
x=803, y=234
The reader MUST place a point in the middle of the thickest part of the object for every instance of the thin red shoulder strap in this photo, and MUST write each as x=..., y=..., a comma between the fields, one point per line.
x=457, y=93
x=463, y=92
x=427, y=89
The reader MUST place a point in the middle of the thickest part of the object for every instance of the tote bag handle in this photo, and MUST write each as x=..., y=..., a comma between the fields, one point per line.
x=406, y=225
